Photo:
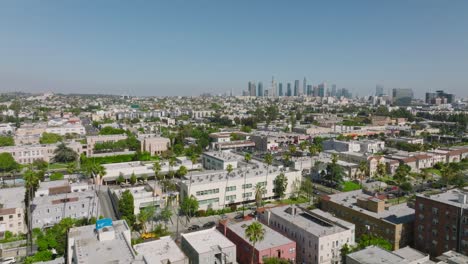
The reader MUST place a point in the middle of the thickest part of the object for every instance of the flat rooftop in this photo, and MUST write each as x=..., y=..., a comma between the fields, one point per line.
x=271, y=239
x=222, y=155
x=377, y=255
x=160, y=251
x=450, y=197
x=317, y=226
x=204, y=240
x=12, y=197
x=396, y=214
x=89, y=249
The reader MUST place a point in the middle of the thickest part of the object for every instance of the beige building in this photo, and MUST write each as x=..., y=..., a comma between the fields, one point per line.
x=27, y=154
x=12, y=210
x=372, y=215
x=92, y=140
x=153, y=144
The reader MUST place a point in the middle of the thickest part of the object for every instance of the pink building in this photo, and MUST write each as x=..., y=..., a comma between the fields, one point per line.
x=274, y=244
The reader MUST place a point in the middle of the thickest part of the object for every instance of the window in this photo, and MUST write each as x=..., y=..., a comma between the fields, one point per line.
x=230, y=197
x=230, y=188
x=435, y=210
x=246, y=186
x=1, y=218
x=207, y=192
x=245, y=195
x=10, y=216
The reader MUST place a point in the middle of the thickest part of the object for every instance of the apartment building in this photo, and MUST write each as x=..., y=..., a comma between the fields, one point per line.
x=27, y=154
x=441, y=222
x=377, y=255
x=208, y=246
x=12, y=209
x=161, y=251
x=56, y=200
x=68, y=128
x=319, y=236
x=218, y=189
x=92, y=140
x=273, y=244
x=372, y=215
x=219, y=160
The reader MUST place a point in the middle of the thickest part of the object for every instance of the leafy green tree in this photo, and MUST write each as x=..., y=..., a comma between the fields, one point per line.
x=120, y=179
x=133, y=179
x=50, y=138
x=370, y=240
x=189, y=206
x=6, y=141
x=111, y=131
x=40, y=164
x=280, y=184
x=182, y=171
x=247, y=157
x=144, y=216
x=165, y=215
x=64, y=154
x=56, y=176
x=334, y=172
x=255, y=233
x=274, y=260
x=126, y=207
x=259, y=190
x=307, y=188
x=7, y=162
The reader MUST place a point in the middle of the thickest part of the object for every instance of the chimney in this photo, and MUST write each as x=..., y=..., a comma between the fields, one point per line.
x=462, y=198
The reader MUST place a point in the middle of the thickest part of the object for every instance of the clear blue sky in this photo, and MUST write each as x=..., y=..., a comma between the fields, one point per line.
x=188, y=47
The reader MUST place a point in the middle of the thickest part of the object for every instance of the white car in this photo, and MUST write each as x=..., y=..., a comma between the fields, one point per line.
x=8, y=260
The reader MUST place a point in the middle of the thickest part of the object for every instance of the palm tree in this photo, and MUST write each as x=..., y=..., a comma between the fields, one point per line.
x=229, y=169
x=259, y=191
x=31, y=181
x=256, y=233
x=247, y=157
x=156, y=169
x=172, y=163
x=193, y=159
x=268, y=161
x=363, y=170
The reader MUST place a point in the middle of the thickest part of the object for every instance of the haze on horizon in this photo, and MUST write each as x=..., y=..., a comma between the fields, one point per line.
x=187, y=48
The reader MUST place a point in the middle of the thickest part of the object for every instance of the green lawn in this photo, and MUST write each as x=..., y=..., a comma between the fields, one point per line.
x=299, y=200
x=350, y=186
x=54, y=166
x=433, y=170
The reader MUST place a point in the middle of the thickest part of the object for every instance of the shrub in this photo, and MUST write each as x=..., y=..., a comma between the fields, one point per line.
x=201, y=213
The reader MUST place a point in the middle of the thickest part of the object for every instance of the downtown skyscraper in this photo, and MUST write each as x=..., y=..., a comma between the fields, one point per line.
x=296, y=88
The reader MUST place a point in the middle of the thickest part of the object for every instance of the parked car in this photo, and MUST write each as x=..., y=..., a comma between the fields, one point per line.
x=193, y=228
x=239, y=217
x=8, y=260
x=209, y=224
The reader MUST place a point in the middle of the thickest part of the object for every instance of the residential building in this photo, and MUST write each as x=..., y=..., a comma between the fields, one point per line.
x=208, y=246
x=219, y=160
x=372, y=215
x=27, y=154
x=12, y=210
x=377, y=255
x=109, y=244
x=56, y=200
x=319, y=236
x=67, y=128
x=441, y=222
x=218, y=189
x=452, y=257
x=93, y=140
x=161, y=251
x=273, y=244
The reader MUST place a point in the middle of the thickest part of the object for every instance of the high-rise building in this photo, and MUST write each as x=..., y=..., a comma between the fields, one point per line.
x=260, y=89
x=379, y=90
x=439, y=97
x=309, y=90
x=304, y=86
x=402, y=97
x=333, y=91
x=280, y=88
x=289, y=91
x=296, y=88
x=273, y=89
x=252, y=89
x=315, y=91
x=321, y=89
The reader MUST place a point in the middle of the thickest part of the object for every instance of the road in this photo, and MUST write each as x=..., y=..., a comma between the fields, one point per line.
x=105, y=204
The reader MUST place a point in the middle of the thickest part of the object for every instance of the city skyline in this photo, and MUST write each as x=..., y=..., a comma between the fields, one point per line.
x=143, y=49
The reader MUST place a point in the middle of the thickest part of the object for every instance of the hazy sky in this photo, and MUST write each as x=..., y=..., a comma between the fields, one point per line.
x=188, y=47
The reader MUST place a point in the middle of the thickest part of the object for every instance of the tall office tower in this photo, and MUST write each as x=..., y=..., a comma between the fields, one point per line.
x=280, y=88
x=304, y=86
x=296, y=88
x=289, y=91
x=315, y=91
x=402, y=96
x=379, y=90
x=321, y=89
x=260, y=89
x=309, y=90
x=273, y=88
x=440, y=97
x=333, y=90
x=252, y=89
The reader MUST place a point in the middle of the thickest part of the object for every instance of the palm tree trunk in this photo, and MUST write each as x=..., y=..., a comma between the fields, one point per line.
x=253, y=254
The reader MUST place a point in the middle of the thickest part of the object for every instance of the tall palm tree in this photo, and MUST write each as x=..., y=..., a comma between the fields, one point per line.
x=256, y=233
x=363, y=170
x=172, y=163
x=31, y=181
x=193, y=159
x=268, y=161
x=229, y=169
x=259, y=190
x=247, y=157
x=156, y=169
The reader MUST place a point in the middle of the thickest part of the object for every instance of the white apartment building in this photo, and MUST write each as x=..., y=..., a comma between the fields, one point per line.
x=7, y=129
x=217, y=189
x=56, y=200
x=27, y=154
x=67, y=128
x=208, y=246
x=12, y=210
x=219, y=160
x=319, y=236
